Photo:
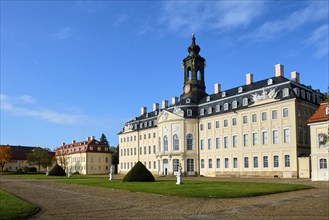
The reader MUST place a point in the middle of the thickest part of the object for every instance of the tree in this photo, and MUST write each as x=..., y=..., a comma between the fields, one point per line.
x=6, y=154
x=62, y=160
x=39, y=157
x=115, y=154
x=104, y=140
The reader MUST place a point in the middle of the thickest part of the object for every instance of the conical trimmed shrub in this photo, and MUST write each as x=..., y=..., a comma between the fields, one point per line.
x=139, y=173
x=57, y=170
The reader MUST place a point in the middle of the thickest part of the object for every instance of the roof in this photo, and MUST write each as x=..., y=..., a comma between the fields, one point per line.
x=89, y=145
x=19, y=152
x=320, y=114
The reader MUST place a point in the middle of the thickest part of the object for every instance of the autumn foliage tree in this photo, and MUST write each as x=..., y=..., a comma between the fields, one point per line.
x=6, y=154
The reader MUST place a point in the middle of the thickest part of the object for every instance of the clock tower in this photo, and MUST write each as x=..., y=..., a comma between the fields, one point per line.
x=194, y=65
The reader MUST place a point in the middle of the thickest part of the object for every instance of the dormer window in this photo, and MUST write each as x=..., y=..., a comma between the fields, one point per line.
x=208, y=98
x=91, y=148
x=308, y=95
x=156, y=113
x=145, y=124
x=240, y=89
x=202, y=111
x=209, y=110
x=99, y=148
x=245, y=102
x=296, y=90
x=141, y=125
x=150, y=123
x=188, y=101
x=217, y=108
x=303, y=94
x=285, y=92
x=269, y=81
x=147, y=115
x=234, y=104
x=223, y=94
x=225, y=106
x=189, y=112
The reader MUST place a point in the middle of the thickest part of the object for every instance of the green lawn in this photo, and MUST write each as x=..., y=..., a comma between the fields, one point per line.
x=14, y=208
x=194, y=188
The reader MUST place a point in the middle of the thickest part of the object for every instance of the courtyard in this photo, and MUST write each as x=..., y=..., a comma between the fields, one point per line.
x=70, y=201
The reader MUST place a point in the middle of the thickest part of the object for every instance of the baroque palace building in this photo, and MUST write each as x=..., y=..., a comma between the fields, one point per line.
x=256, y=129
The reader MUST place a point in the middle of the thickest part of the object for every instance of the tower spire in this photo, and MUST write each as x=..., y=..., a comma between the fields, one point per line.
x=193, y=48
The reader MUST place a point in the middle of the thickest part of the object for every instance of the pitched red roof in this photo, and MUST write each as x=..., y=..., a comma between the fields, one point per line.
x=320, y=114
x=90, y=145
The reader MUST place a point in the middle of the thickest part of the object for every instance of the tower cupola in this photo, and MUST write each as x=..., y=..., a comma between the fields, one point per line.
x=194, y=65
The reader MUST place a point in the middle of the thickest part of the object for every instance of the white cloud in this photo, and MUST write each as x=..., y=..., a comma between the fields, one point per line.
x=319, y=40
x=315, y=11
x=192, y=16
x=62, y=34
x=21, y=106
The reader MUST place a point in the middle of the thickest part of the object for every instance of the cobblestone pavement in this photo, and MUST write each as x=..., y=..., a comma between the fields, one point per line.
x=68, y=201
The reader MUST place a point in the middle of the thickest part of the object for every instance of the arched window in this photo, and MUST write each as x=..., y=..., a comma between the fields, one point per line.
x=245, y=102
x=240, y=89
x=189, y=112
x=189, y=75
x=175, y=165
x=188, y=100
x=199, y=74
x=217, y=108
x=189, y=142
x=225, y=106
x=234, y=104
x=175, y=142
x=165, y=144
x=159, y=144
x=285, y=92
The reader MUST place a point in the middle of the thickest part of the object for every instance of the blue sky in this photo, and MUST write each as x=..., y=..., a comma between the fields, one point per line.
x=72, y=69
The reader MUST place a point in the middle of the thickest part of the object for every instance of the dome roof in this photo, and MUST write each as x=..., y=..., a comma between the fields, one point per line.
x=193, y=48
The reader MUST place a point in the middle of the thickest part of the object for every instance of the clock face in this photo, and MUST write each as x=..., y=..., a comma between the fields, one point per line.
x=187, y=88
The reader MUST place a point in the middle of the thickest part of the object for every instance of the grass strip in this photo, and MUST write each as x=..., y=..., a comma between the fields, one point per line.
x=15, y=208
x=194, y=188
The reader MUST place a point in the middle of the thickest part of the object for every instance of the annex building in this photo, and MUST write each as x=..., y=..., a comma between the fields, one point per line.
x=256, y=129
x=89, y=156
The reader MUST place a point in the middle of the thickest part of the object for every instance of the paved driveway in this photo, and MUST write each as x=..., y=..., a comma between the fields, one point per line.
x=68, y=201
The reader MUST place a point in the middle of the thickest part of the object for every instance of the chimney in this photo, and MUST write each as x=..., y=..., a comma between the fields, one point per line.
x=92, y=137
x=295, y=76
x=165, y=104
x=249, y=78
x=279, y=70
x=73, y=142
x=63, y=143
x=155, y=106
x=88, y=139
x=217, y=88
x=143, y=110
x=174, y=100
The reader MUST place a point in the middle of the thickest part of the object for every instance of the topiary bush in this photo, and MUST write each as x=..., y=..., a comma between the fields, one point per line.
x=57, y=170
x=139, y=173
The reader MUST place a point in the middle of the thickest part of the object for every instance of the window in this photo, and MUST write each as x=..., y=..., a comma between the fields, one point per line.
x=188, y=101
x=226, y=142
x=144, y=149
x=189, y=112
x=296, y=90
x=323, y=163
x=254, y=139
x=234, y=122
x=286, y=135
x=165, y=144
x=209, y=125
x=154, y=165
x=225, y=123
x=276, y=161
x=140, y=151
x=202, y=144
x=240, y=89
x=217, y=124
x=234, y=104
x=227, y=163
x=264, y=116
x=175, y=165
x=208, y=98
x=245, y=140
x=223, y=94
x=202, y=111
x=245, y=119
x=149, y=164
x=149, y=149
x=201, y=127
x=269, y=81
x=285, y=112
x=255, y=162
x=286, y=160
x=209, y=110
x=275, y=136
x=274, y=114
x=189, y=141
x=209, y=143
x=190, y=165
x=209, y=163
x=265, y=137
x=265, y=161
x=217, y=108
x=217, y=163
x=175, y=142
x=225, y=106
x=154, y=149
x=245, y=102
x=254, y=118
x=202, y=163
x=235, y=162
x=321, y=140
x=246, y=162
x=285, y=92
x=217, y=142
x=235, y=140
